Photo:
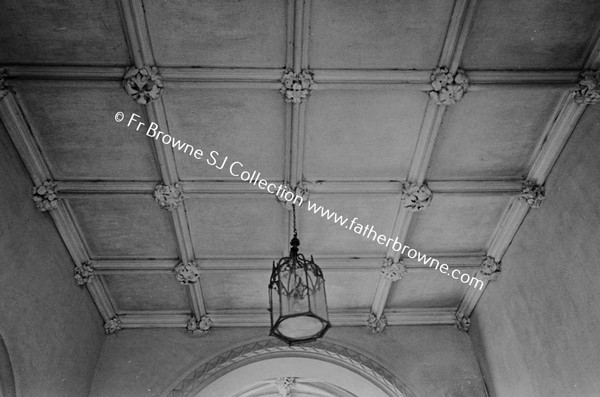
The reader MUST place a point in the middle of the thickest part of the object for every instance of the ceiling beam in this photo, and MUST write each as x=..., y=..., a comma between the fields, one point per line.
x=456, y=35
x=19, y=131
x=260, y=318
x=138, y=38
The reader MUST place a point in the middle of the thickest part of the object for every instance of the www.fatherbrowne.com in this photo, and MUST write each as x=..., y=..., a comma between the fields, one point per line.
x=236, y=169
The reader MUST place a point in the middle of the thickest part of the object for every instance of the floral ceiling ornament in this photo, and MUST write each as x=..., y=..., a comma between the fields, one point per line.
x=285, y=386
x=376, y=325
x=301, y=190
x=532, y=194
x=187, y=273
x=83, y=273
x=461, y=321
x=143, y=85
x=589, y=88
x=490, y=268
x=113, y=325
x=45, y=197
x=416, y=197
x=393, y=271
x=201, y=327
x=169, y=196
x=296, y=86
x=448, y=89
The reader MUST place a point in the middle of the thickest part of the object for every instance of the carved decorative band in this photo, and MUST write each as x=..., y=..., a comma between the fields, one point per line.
x=337, y=354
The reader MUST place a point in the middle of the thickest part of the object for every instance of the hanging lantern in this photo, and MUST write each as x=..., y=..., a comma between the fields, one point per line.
x=298, y=304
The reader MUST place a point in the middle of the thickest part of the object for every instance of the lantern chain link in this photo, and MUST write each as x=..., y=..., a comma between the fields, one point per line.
x=294, y=215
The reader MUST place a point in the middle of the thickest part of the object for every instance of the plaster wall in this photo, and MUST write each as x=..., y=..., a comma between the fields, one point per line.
x=51, y=328
x=430, y=360
x=535, y=330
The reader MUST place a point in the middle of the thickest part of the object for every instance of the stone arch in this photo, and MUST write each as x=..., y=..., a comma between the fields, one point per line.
x=269, y=353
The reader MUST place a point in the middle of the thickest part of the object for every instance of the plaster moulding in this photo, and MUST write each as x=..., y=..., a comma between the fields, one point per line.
x=113, y=325
x=301, y=190
x=285, y=386
x=143, y=85
x=199, y=327
x=490, y=268
x=461, y=321
x=187, y=273
x=589, y=88
x=83, y=273
x=446, y=88
x=376, y=325
x=532, y=194
x=393, y=271
x=416, y=197
x=44, y=196
x=169, y=197
x=296, y=86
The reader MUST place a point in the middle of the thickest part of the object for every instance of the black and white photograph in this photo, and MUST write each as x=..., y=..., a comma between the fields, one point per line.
x=300, y=198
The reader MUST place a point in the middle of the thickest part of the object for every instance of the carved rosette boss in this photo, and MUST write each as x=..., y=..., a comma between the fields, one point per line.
x=4, y=90
x=589, y=88
x=285, y=386
x=416, y=197
x=301, y=190
x=393, y=271
x=200, y=327
x=187, y=273
x=461, y=321
x=490, y=268
x=169, y=196
x=143, y=85
x=113, y=325
x=83, y=273
x=296, y=86
x=532, y=194
x=446, y=88
x=376, y=325
x=45, y=197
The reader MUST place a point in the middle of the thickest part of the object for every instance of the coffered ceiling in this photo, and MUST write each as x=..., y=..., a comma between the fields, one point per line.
x=367, y=128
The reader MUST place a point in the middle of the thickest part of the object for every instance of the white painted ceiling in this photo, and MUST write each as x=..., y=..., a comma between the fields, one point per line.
x=367, y=126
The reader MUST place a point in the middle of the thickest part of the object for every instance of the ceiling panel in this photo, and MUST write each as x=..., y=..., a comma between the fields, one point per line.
x=129, y=292
x=531, y=34
x=124, y=225
x=427, y=288
x=244, y=125
x=226, y=225
x=218, y=32
x=65, y=32
x=223, y=290
x=358, y=135
x=362, y=283
x=320, y=236
x=491, y=134
x=78, y=136
x=456, y=223
x=353, y=34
